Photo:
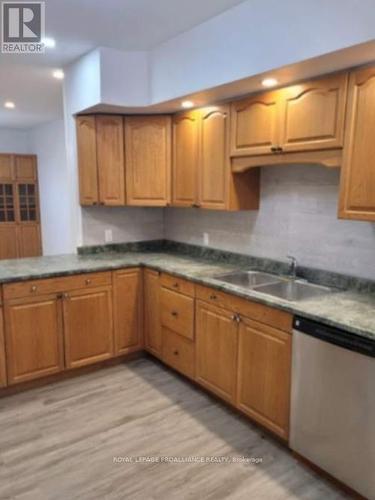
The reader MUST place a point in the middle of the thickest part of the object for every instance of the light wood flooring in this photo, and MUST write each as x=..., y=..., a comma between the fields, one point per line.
x=59, y=442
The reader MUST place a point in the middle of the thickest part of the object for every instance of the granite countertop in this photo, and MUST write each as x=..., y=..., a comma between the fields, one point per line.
x=349, y=310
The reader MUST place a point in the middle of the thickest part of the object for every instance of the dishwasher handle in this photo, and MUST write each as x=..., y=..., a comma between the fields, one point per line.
x=336, y=336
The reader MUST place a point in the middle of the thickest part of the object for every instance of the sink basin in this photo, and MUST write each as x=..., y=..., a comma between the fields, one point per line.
x=249, y=279
x=294, y=290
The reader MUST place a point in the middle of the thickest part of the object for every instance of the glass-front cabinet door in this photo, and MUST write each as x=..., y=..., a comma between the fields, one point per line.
x=27, y=202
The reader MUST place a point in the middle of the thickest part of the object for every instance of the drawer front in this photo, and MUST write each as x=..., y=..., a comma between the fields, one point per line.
x=179, y=353
x=56, y=285
x=177, y=312
x=253, y=310
x=178, y=284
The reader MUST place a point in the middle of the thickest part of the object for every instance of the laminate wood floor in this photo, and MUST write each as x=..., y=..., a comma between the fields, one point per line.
x=60, y=441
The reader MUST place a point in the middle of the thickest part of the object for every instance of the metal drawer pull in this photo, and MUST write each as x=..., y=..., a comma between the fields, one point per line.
x=65, y=296
x=213, y=297
x=174, y=313
x=175, y=285
x=88, y=282
x=175, y=352
x=33, y=288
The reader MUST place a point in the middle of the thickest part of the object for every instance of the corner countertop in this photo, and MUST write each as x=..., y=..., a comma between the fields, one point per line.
x=350, y=310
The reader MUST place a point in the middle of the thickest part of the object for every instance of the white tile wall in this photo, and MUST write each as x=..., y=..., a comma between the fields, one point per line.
x=298, y=216
x=127, y=224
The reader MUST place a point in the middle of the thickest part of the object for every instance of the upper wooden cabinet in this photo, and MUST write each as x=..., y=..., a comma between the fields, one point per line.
x=101, y=163
x=305, y=117
x=255, y=124
x=128, y=310
x=357, y=189
x=148, y=160
x=6, y=167
x=314, y=114
x=87, y=160
x=186, y=128
x=25, y=168
x=202, y=175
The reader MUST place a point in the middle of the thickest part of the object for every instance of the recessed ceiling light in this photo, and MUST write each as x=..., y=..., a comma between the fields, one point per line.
x=58, y=73
x=49, y=43
x=9, y=104
x=269, y=82
x=187, y=104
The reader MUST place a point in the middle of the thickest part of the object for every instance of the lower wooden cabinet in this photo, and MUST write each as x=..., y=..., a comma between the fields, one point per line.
x=179, y=352
x=216, y=350
x=128, y=310
x=34, y=337
x=264, y=364
x=152, y=324
x=8, y=241
x=3, y=377
x=88, y=326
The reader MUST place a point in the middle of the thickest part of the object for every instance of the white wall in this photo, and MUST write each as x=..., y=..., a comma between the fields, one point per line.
x=297, y=216
x=14, y=141
x=48, y=143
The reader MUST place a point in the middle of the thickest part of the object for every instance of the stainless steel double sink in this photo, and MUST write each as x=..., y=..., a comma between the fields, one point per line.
x=284, y=288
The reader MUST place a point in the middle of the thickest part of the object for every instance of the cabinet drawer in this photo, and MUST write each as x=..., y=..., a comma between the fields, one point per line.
x=179, y=353
x=178, y=284
x=264, y=314
x=55, y=285
x=177, y=312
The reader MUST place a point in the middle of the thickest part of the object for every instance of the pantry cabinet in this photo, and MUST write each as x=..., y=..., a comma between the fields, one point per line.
x=88, y=326
x=3, y=376
x=34, y=337
x=128, y=310
x=264, y=365
x=306, y=117
x=216, y=350
x=152, y=324
x=357, y=188
x=148, y=160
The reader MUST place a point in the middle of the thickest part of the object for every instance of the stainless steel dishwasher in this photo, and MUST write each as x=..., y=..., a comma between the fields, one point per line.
x=333, y=403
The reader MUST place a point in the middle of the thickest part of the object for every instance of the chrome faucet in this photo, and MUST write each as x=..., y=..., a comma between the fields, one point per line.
x=293, y=266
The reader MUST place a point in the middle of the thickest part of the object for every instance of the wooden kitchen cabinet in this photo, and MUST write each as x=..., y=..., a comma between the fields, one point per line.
x=357, y=187
x=128, y=310
x=88, y=326
x=87, y=160
x=305, y=117
x=186, y=128
x=111, y=161
x=25, y=168
x=152, y=323
x=29, y=240
x=255, y=124
x=148, y=160
x=3, y=376
x=264, y=365
x=8, y=241
x=34, y=337
x=313, y=114
x=177, y=313
x=216, y=350
x=6, y=167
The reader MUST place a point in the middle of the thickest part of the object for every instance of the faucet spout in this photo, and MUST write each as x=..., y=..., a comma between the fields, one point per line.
x=293, y=266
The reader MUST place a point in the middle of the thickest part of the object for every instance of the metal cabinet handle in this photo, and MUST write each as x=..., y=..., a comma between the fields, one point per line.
x=274, y=149
x=213, y=297
x=88, y=282
x=175, y=285
x=175, y=352
x=34, y=288
x=236, y=317
x=65, y=296
x=174, y=313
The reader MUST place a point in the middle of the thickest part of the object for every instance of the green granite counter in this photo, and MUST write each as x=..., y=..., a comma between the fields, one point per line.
x=350, y=310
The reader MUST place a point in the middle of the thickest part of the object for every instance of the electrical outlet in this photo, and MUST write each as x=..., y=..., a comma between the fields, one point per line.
x=206, y=239
x=108, y=235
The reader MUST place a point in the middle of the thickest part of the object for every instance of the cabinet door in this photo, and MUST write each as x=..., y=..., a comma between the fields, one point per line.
x=25, y=168
x=34, y=338
x=264, y=366
x=216, y=350
x=357, y=189
x=8, y=241
x=128, y=310
x=314, y=114
x=88, y=326
x=185, y=159
x=6, y=167
x=3, y=377
x=29, y=242
x=153, y=334
x=87, y=160
x=214, y=165
x=148, y=160
x=111, y=162
x=255, y=124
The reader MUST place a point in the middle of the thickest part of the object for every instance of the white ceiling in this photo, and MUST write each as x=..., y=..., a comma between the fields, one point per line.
x=79, y=26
